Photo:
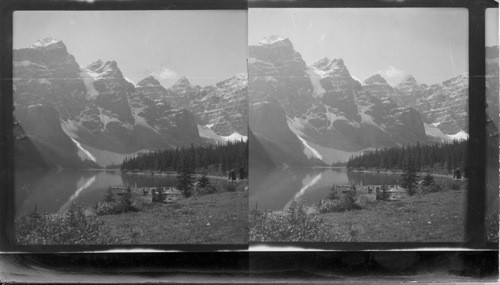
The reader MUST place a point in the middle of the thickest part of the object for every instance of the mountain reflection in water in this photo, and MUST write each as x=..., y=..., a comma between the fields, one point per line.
x=276, y=189
x=53, y=191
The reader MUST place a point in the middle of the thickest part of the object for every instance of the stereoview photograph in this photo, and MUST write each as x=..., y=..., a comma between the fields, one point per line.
x=359, y=125
x=130, y=127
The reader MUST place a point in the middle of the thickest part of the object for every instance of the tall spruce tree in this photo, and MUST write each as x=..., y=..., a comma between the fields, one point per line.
x=186, y=179
x=428, y=179
x=410, y=179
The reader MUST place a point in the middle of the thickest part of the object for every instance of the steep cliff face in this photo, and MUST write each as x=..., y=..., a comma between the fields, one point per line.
x=332, y=114
x=443, y=106
x=98, y=109
x=221, y=110
x=40, y=141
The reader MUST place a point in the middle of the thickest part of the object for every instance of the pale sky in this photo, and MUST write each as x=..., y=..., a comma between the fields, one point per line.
x=429, y=43
x=205, y=46
x=491, y=26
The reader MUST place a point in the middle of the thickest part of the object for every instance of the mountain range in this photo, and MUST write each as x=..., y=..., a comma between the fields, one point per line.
x=71, y=116
x=67, y=115
x=317, y=114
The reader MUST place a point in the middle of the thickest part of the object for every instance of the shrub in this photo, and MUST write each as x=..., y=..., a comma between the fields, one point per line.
x=70, y=228
x=210, y=189
x=330, y=206
x=231, y=187
x=114, y=208
x=293, y=225
x=349, y=201
x=428, y=179
x=127, y=201
x=430, y=188
x=449, y=184
x=455, y=185
x=203, y=181
x=346, y=203
x=333, y=195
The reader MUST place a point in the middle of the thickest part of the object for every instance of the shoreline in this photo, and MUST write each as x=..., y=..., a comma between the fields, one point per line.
x=399, y=172
x=171, y=174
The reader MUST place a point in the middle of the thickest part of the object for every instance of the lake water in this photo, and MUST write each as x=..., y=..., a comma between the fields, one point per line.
x=275, y=189
x=53, y=191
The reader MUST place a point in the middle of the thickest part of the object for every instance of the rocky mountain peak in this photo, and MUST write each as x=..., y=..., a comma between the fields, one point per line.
x=95, y=65
x=48, y=43
x=320, y=64
x=183, y=81
x=274, y=40
x=409, y=79
x=49, y=52
x=150, y=80
x=279, y=54
x=375, y=79
x=109, y=69
x=462, y=79
x=325, y=64
x=409, y=83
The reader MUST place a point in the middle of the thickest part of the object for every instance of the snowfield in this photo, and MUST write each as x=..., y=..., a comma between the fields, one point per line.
x=88, y=80
x=83, y=153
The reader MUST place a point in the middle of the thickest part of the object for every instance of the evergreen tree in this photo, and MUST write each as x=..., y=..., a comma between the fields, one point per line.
x=204, y=181
x=410, y=179
x=428, y=179
x=186, y=180
x=225, y=156
x=445, y=155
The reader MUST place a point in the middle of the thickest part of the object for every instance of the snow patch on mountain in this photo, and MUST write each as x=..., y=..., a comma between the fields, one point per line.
x=270, y=40
x=82, y=152
x=308, y=150
x=105, y=119
x=45, y=42
x=315, y=80
x=26, y=63
x=140, y=121
x=89, y=80
x=333, y=116
x=367, y=119
x=462, y=135
x=106, y=157
x=295, y=125
x=234, y=137
x=135, y=85
x=433, y=131
x=206, y=132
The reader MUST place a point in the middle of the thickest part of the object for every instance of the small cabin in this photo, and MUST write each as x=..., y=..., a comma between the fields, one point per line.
x=166, y=195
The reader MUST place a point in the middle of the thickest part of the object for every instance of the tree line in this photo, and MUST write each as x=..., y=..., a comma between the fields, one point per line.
x=447, y=156
x=220, y=157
